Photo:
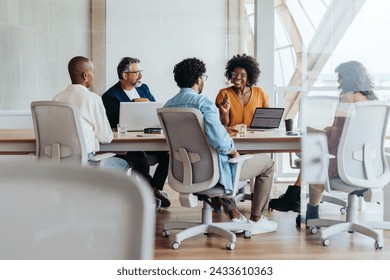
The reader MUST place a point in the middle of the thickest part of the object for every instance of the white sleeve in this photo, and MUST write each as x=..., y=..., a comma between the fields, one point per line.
x=102, y=127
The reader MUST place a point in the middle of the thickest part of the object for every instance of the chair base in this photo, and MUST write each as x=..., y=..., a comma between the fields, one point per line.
x=341, y=226
x=191, y=229
x=371, y=229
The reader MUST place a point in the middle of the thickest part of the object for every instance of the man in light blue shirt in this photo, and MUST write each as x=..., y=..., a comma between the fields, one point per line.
x=190, y=76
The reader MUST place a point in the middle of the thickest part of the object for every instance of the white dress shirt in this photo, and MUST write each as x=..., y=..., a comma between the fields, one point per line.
x=94, y=122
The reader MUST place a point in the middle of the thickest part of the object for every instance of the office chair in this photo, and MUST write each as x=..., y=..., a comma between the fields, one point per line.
x=59, y=138
x=318, y=112
x=61, y=212
x=194, y=173
x=362, y=166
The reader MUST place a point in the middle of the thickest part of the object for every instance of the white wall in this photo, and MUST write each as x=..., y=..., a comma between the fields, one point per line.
x=15, y=119
x=37, y=40
x=161, y=34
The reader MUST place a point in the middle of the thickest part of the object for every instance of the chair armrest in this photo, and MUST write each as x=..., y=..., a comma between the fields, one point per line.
x=100, y=157
x=239, y=159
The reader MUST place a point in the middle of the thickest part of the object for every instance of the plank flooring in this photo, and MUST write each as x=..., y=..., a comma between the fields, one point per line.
x=289, y=242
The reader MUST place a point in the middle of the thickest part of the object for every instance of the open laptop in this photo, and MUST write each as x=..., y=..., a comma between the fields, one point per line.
x=139, y=115
x=266, y=118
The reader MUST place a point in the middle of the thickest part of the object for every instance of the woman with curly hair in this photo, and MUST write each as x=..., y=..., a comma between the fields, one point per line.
x=238, y=102
x=355, y=85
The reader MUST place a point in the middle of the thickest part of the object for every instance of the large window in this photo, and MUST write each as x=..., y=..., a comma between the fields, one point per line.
x=312, y=37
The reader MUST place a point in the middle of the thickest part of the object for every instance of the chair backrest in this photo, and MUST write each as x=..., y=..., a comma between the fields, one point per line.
x=58, y=132
x=317, y=111
x=361, y=156
x=194, y=165
x=315, y=159
x=71, y=212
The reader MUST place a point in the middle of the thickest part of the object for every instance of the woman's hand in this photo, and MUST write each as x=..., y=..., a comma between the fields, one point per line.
x=224, y=106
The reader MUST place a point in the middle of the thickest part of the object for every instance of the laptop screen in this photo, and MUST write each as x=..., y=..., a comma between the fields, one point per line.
x=266, y=118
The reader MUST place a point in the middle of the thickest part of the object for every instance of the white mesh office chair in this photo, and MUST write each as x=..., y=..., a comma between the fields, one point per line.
x=362, y=165
x=194, y=173
x=59, y=138
x=318, y=112
x=61, y=212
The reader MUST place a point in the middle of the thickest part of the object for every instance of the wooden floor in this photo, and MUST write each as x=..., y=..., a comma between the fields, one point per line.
x=289, y=242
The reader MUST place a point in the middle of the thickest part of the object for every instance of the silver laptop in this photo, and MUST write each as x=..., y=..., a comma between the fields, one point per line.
x=266, y=118
x=139, y=115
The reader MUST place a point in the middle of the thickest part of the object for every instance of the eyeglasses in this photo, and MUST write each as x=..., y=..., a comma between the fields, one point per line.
x=204, y=78
x=238, y=75
x=138, y=72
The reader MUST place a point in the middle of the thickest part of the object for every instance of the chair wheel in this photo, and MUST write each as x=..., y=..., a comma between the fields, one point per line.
x=165, y=233
x=378, y=246
x=230, y=245
x=325, y=242
x=175, y=245
x=247, y=234
x=313, y=230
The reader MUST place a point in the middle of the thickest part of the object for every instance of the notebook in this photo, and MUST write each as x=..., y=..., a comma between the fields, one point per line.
x=139, y=115
x=266, y=118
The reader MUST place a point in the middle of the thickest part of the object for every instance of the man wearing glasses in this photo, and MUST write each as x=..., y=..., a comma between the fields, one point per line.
x=130, y=88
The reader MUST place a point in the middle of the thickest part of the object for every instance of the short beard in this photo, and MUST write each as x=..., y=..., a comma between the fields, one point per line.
x=138, y=84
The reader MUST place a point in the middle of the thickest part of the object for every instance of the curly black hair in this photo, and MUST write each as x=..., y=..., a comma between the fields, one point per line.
x=247, y=62
x=124, y=65
x=187, y=72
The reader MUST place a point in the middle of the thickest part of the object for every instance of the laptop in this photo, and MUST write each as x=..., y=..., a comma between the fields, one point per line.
x=266, y=118
x=139, y=115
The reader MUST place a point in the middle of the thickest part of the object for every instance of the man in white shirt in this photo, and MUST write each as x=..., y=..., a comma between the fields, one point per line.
x=95, y=126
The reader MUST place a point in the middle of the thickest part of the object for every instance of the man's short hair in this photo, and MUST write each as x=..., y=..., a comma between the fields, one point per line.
x=187, y=72
x=124, y=65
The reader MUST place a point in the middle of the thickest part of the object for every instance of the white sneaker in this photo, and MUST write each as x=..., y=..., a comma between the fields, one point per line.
x=242, y=219
x=263, y=225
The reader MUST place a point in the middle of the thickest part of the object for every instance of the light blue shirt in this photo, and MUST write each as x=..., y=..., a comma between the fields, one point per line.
x=216, y=134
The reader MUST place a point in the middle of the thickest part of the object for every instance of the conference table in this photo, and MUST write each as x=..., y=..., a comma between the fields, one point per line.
x=22, y=141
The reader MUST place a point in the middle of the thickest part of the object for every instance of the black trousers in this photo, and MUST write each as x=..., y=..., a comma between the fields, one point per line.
x=139, y=161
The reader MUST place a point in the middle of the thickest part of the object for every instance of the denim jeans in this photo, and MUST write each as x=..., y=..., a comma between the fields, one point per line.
x=112, y=163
